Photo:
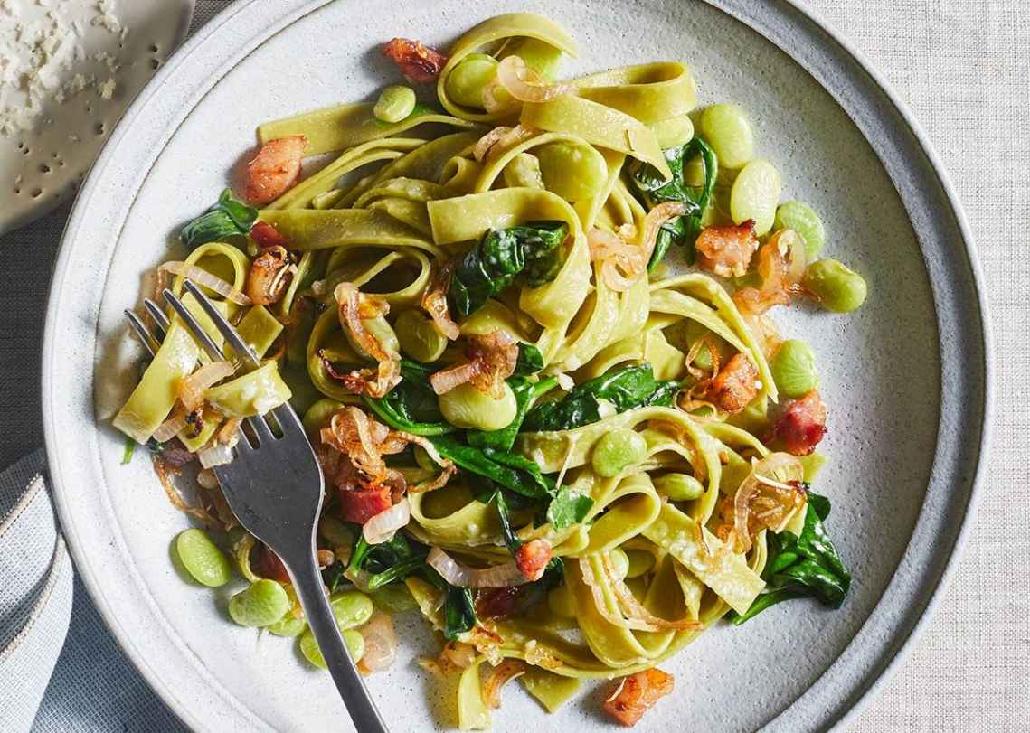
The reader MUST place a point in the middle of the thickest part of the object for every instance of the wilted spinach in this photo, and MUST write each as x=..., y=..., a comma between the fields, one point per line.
x=227, y=218
x=805, y=565
x=412, y=405
x=531, y=252
x=624, y=387
x=653, y=189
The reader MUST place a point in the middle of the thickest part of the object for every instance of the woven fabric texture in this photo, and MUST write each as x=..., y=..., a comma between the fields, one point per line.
x=963, y=66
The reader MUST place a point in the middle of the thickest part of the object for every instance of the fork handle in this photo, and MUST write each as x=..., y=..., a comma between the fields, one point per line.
x=312, y=594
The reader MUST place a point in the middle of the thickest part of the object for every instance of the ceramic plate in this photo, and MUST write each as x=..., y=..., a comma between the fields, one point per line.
x=906, y=377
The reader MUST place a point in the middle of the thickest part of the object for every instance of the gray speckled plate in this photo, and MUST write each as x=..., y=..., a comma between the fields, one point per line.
x=907, y=377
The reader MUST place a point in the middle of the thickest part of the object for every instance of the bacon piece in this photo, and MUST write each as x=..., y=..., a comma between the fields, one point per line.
x=491, y=360
x=802, y=424
x=361, y=504
x=497, y=602
x=419, y=63
x=636, y=694
x=532, y=557
x=265, y=235
x=735, y=385
x=274, y=169
x=266, y=564
x=726, y=251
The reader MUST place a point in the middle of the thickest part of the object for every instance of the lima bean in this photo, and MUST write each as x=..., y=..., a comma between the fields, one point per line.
x=618, y=450
x=574, y=172
x=800, y=217
x=418, y=337
x=351, y=608
x=309, y=647
x=467, y=80
x=835, y=286
x=755, y=195
x=261, y=604
x=394, y=104
x=673, y=132
x=679, y=487
x=467, y=407
x=727, y=130
x=793, y=368
x=202, y=559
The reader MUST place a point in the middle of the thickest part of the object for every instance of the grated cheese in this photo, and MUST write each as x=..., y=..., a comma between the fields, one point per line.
x=42, y=59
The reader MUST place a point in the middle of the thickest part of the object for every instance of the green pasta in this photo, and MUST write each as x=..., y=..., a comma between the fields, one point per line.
x=602, y=443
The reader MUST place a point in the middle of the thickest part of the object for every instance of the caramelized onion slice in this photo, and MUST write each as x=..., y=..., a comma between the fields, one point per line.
x=498, y=576
x=522, y=83
x=206, y=280
x=491, y=360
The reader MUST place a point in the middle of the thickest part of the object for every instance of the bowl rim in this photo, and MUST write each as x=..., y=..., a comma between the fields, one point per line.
x=824, y=54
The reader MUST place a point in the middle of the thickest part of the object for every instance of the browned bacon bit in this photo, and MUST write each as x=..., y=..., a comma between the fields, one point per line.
x=419, y=63
x=636, y=694
x=266, y=564
x=735, y=385
x=354, y=308
x=434, y=301
x=270, y=275
x=802, y=424
x=361, y=504
x=497, y=602
x=491, y=360
x=781, y=264
x=266, y=235
x=274, y=169
x=726, y=251
x=532, y=557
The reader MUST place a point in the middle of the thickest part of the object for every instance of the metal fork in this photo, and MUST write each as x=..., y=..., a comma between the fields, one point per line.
x=275, y=487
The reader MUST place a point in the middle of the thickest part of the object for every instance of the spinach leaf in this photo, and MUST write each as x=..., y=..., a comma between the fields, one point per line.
x=568, y=508
x=531, y=251
x=459, y=612
x=624, y=386
x=412, y=405
x=501, y=504
x=530, y=360
x=653, y=189
x=805, y=565
x=510, y=471
x=227, y=218
x=526, y=393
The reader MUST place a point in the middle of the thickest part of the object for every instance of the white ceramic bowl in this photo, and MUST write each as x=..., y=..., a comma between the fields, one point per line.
x=906, y=377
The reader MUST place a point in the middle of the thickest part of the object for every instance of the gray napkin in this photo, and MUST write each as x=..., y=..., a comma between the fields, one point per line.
x=61, y=669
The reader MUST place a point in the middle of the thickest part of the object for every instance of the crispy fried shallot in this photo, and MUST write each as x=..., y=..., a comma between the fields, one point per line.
x=781, y=264
x=491, y=360
x=270, y=275
x=354, y=308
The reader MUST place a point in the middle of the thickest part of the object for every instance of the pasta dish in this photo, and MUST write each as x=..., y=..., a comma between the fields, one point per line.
x=526, y=321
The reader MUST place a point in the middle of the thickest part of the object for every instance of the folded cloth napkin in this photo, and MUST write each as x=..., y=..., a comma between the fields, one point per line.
x=56, y=675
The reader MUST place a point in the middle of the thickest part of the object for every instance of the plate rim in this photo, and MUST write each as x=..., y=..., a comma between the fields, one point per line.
x=789, y=11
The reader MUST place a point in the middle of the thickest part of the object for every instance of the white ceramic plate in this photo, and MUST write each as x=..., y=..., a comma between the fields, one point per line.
x=906, y=377
x=104, y=58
